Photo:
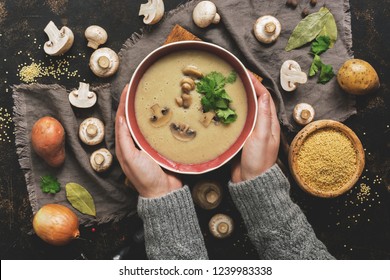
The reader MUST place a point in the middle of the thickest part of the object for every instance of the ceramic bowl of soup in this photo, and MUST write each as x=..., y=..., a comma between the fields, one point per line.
x=191, y=106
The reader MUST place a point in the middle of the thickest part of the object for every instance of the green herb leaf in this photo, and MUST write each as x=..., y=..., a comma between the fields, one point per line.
x=330, y=29
x=326, y=73
x=50, y=184
x=315, y=65
x=320, y=45
x=215, y=96
x=308, y=29
x=226, y=116
x=232, y=77
x=80, y=199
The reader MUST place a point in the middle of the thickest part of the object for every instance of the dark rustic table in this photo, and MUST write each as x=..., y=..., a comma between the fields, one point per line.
x=353, y=226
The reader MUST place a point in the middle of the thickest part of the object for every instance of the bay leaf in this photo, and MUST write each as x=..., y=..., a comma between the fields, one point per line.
x=307, y=29
x=80, y=199
x=330, y=29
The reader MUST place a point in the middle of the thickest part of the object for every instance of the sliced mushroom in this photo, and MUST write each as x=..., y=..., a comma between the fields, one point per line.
x=205, y=13
x=104, y=62
x=221, y=226
x=160, y=116
x=291, y=75
x=91, y=131
x=267, y=29
x=206, y=118
x=101, y=160
x=60, y=41
x=187, y=84
x=303, y=113
x=207, y=194
x=193, y=71
x=182, y=132
x=96, y=36
x=152, y=11
x=82, y=97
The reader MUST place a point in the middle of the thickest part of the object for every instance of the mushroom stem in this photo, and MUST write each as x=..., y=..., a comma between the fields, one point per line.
x=99, y=159
x=216, y=19
x=223, y=228
x=270, y=28
x=83, y=91
x=211, y=196
x=104, y=62
x=305, y=114
x=53, y=32
x=92, y=130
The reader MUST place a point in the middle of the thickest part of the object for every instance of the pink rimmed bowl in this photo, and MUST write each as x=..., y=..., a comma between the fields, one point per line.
x=233, y=149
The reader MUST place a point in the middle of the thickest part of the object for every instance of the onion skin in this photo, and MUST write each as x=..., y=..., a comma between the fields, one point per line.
x=56, y=224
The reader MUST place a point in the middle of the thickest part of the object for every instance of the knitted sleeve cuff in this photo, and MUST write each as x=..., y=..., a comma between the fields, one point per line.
x=171, y=226
x=265, y=197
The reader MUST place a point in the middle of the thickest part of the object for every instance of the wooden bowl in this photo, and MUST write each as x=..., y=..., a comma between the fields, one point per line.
x=300, y=139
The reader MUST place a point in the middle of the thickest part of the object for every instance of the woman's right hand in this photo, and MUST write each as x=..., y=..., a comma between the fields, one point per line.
x=144, y=173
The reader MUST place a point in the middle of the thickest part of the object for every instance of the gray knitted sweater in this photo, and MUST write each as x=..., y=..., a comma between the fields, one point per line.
x=276, y=225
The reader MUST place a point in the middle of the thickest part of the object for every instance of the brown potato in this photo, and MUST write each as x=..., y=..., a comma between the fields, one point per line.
x=48, y=140
x=358, y=77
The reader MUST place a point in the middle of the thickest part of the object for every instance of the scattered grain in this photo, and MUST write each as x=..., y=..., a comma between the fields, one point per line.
x=5, y=125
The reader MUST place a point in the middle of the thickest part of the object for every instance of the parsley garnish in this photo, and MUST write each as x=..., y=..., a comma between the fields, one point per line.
x=215, y=97
x=319, y=46
x=50, y=184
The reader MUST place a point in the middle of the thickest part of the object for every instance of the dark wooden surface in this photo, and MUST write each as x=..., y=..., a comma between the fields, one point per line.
x=350, y=227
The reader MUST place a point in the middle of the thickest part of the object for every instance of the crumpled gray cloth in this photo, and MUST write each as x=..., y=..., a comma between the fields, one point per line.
x=113, y=200
x=234, y=33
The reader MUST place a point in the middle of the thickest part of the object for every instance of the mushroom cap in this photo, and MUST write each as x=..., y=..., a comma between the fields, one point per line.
x=64, y=39
x=205, y=13
x=182, y=132
x=221, y=226
x=207, y=194
x=101, y=160
x=267, y=29
x=291, y=75
x=161, y=116
x=104, y=62
x=91, y=131
x=85, y=100
x=96, y=36
x=303, y=113
x=152, y=11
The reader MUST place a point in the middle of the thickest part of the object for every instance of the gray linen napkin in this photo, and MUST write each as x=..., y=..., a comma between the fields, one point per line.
x=113, y=200
x=234, y=33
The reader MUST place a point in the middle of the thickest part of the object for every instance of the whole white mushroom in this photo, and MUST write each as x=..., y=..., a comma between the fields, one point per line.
x=205, y=13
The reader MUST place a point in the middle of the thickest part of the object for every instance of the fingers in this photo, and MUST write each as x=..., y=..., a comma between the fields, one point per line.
x=123, y=140
x=122, y=102
x=259, y=88
x=275, y=126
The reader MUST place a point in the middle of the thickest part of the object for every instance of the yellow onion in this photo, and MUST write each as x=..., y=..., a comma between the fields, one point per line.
x=56, y=224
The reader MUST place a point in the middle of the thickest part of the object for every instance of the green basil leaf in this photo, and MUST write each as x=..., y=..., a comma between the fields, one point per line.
x=307, y=29
x=80, y=199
